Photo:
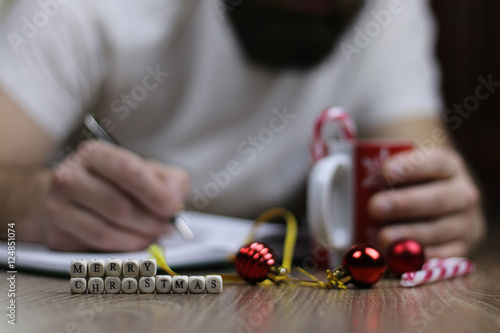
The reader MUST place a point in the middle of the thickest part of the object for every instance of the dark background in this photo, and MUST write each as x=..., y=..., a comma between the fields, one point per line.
x=469, y=47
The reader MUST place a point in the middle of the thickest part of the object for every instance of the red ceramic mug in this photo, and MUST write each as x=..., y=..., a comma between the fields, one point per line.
x=341, y=184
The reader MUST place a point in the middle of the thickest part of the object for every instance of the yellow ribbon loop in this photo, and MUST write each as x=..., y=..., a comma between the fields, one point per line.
x=290, y=236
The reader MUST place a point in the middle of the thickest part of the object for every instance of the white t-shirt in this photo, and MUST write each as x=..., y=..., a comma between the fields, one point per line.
x=168, y=80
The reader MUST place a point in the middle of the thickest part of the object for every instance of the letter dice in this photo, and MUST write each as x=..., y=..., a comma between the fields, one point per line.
x=78, y=268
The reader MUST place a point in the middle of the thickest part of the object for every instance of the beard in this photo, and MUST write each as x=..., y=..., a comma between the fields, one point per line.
x=278, y=38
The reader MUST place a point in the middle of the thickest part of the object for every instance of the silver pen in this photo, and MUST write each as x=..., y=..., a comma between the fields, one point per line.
x=179, y=221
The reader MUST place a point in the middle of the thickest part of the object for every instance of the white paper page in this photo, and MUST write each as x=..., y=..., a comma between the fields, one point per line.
x=216, y=238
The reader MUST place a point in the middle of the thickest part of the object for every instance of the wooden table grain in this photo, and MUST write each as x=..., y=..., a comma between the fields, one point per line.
x=466, y=304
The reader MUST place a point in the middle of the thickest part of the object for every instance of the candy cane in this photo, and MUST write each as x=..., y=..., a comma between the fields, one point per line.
x=335, y=115
x=437, y=273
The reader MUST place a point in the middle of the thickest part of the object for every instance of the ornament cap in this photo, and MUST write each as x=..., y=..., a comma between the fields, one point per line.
x=338, y=277
x=339, y=274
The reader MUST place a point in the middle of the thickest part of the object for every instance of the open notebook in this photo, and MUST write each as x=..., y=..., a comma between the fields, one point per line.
x=216, y=238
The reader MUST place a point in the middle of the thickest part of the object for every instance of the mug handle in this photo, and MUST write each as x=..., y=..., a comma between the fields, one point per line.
x=330, y=202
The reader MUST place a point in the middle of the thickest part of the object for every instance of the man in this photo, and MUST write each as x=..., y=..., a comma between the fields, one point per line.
x=219, y=98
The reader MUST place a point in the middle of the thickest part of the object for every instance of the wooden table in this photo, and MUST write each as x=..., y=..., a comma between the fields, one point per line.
x=467, y=304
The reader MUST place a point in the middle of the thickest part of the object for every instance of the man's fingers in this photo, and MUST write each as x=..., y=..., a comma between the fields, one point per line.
x=432, y=233
x=96, y=194
x=86, y=231
x=456, y=248
x=174, y=179
x=109, y=199
x=418, y=166
x=129, y=172
x=61, y=240
x=423, y=201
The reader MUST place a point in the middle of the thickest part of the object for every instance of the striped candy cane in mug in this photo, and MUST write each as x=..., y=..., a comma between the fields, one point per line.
x=334, y=115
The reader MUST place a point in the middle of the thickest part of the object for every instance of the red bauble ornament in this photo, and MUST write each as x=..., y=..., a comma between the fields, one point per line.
x=254, y=261
x=405, y=255
x=365, y=264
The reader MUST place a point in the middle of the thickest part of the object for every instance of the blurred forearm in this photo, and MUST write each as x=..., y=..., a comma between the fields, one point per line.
x=24, y=178
x=22, y=191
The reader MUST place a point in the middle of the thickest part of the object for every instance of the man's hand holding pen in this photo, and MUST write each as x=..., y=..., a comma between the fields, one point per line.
x=110, y=199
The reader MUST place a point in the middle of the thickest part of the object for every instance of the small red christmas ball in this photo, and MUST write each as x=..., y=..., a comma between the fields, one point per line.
x=254, y=261
x=405, y=255
x=365, y=263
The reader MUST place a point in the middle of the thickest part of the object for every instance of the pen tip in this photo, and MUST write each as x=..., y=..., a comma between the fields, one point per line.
x=183, y=228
